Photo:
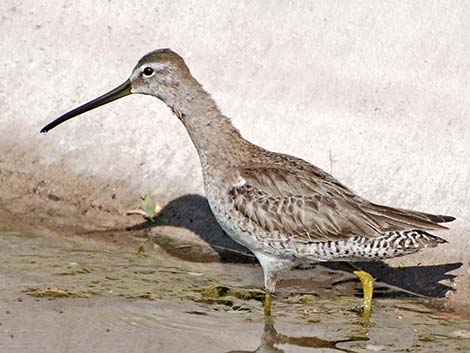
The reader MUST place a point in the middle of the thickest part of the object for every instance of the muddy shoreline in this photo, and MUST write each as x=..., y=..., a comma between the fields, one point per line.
x=74, y=265
x=64, y=293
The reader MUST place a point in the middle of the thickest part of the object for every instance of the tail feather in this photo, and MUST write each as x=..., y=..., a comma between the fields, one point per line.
x=438, y=218
x=404, y=219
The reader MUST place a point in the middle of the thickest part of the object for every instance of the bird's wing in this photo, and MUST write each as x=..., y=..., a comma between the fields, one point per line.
x=310, y=205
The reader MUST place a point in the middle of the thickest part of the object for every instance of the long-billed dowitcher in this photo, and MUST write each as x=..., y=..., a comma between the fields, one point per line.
x=285, y=210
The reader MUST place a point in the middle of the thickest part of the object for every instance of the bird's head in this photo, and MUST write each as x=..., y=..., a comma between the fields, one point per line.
x=160, y=73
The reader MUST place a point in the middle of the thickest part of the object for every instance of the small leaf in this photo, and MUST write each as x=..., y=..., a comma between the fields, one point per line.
x=148, y=206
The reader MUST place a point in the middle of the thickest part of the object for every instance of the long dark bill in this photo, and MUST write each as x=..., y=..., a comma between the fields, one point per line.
x=119, y=92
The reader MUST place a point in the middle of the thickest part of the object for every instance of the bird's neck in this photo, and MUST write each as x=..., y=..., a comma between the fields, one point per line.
x=217, y=141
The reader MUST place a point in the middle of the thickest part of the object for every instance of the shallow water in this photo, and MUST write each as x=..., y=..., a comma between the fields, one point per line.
x=69, y=295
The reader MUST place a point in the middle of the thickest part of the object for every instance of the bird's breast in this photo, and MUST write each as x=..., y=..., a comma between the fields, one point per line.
x=237, y=226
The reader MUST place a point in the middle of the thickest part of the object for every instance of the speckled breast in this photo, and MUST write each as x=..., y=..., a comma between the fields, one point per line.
x=232, y=222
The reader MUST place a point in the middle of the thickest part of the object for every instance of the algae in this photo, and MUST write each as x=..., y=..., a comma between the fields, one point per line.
x=54, y=292
x=239, y=293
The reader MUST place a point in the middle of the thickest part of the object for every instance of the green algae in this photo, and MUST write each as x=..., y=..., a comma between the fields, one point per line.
x=74, y=269
x=239, y=293
x=239, y=310
x=300, y=299
x=80, y=270
x=214, y=292
x=54, y=293
x=62, y=269
x=211, y=301
x=227, y=296
x=313, y=321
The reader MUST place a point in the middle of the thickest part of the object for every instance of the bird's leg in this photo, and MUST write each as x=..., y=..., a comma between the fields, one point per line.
x=270, y=279
x=368, y=288
x=268, y=303
x=272, y=267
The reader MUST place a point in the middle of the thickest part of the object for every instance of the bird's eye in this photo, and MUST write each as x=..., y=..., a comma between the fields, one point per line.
x=148, y=71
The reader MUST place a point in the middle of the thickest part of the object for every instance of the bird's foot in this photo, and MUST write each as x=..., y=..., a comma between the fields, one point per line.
x=367, y=282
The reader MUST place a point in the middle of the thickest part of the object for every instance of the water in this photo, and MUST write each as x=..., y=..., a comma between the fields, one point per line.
x=65, y=294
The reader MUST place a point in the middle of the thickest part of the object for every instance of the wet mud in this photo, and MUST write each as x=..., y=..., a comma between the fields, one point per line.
x=70, y=294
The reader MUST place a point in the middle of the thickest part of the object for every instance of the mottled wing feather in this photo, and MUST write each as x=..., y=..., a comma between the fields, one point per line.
x=310, y=205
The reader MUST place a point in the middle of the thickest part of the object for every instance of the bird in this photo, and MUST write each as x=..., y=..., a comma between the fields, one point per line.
x=286, y=211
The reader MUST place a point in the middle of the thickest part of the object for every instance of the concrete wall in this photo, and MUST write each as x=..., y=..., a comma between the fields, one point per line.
x=375, y=92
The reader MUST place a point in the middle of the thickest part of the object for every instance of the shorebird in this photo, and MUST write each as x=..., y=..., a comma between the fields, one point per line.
x=283, y=209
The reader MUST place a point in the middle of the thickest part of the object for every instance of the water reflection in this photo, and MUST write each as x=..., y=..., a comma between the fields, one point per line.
x=271, y=339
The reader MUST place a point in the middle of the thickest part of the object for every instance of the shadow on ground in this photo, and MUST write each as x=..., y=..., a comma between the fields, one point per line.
x=192, y=212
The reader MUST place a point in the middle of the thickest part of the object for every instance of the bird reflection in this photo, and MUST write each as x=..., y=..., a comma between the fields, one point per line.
x=270, y=339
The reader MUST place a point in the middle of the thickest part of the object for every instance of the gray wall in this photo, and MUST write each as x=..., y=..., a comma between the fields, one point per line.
x=376, y=93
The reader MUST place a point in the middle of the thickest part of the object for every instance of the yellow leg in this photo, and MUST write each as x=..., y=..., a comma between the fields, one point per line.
x=368, y=288
x=268, y=303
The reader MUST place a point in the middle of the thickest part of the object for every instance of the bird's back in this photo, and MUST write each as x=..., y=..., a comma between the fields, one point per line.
x=291, y=206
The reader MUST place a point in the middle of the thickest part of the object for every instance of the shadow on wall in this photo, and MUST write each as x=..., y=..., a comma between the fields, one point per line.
x=193, y=213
